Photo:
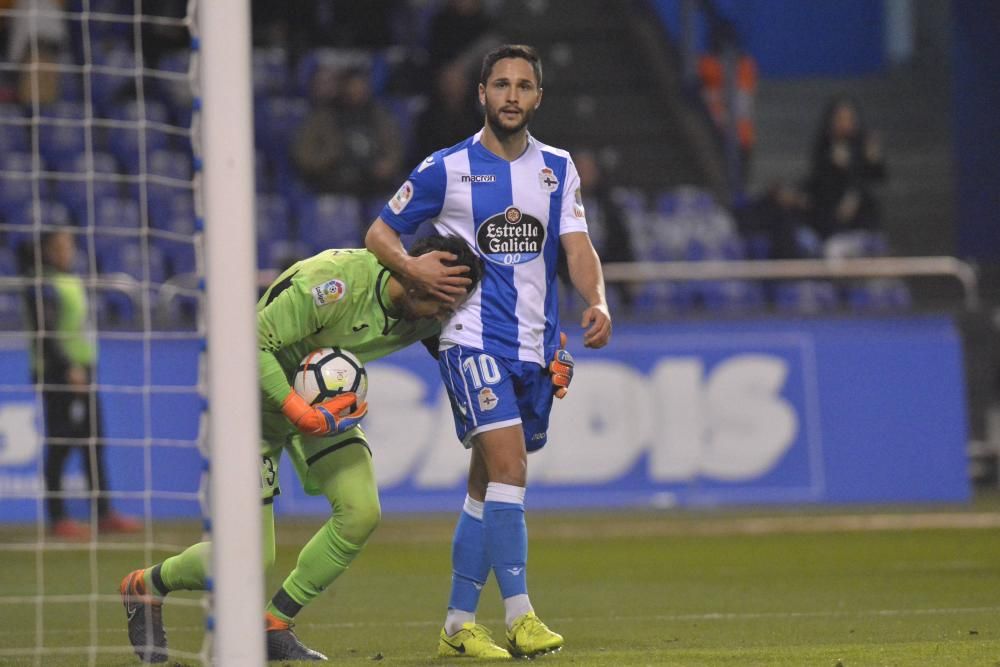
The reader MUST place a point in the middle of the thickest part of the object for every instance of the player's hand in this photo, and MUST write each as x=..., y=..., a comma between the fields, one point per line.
x=561, y=368
x=324, y=418
x=430, y=273
x=597, y=321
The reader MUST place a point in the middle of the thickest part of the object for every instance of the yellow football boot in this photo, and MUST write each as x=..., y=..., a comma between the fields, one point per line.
x=472, y=641
x=529, y=637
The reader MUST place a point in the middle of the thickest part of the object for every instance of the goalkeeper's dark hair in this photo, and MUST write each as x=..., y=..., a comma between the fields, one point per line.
x=511, y=51
x=465, y=256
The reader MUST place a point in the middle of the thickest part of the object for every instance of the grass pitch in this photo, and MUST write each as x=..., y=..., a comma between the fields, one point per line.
x=641, y=588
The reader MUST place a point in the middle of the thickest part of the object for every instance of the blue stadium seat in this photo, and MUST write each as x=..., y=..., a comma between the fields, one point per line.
x=273, y=218
x=74, y=192
x=270, y=72
x=16, y=186
x=173, y=213
x=117, y=212
x=280, y=254
x=62, y=134
x=178, y=255
x=113, y=78
x=15, y=137
x=126, y=255
x=12, y=316
x=806, y=296
x=275, y=121
x=884, y=295
x=124, y=140
x=330, y=221
x=175, y=93
x=175, y=166
x=8, y=261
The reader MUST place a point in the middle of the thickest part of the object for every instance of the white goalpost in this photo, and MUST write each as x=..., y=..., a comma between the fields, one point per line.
x=140, y=146
x=227, y=136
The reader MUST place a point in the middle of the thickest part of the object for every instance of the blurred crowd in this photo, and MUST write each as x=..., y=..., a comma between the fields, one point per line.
x=348, y=97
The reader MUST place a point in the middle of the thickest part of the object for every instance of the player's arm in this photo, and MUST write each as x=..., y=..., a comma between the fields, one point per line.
x=588, y=278
x=288, y=317
x=428, y=272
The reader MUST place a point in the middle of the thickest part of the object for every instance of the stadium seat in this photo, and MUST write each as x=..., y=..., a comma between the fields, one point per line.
x=124, y=137
x=280, y=254
x=113, y=78
x=62, y=132
x=15, y=136
x=272, y=218
x=275, y=121
x=173, y=172
x=127, y=255
x=270, y=72
x=8, y=261
x=117, y=212
x=16, y=188
x=330, y=221
x=178, y=255
x=74, y=192
x=173, y=213
x=806, y=296
x=175, y=92
x=12, y=315
x=884, y=295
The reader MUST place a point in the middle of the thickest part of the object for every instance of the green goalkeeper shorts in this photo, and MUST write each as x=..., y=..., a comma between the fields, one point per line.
x=278, y=434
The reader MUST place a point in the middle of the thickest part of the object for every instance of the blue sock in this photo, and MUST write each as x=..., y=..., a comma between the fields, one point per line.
x=469, y=563
x=506, y=538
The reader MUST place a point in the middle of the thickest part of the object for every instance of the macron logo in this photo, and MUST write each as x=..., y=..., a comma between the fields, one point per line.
x=515, y=570
x=426, y=163
x=479, y=178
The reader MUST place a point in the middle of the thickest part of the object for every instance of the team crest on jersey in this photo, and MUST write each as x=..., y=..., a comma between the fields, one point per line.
x=547, y=179
x=401, y=198
x=329, y=292
x=487, y=399
x=511, y=237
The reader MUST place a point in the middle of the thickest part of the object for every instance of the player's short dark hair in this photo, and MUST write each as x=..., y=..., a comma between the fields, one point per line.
x=457, y=246
x=511, y=51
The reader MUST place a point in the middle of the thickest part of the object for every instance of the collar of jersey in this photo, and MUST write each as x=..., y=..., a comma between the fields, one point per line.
x=382, y=296
x=490, y=154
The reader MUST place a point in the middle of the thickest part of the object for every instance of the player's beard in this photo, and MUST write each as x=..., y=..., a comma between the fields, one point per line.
x=502, y=130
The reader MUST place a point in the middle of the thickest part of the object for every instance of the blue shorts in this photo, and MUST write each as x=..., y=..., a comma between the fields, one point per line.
x=489, y=392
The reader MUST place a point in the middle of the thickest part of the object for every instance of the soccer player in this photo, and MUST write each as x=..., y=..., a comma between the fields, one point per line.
x=338, y=298
x=64, y=359
x=515, y=200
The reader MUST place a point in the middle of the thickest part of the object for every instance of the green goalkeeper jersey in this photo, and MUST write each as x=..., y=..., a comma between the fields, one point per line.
x=338, y=298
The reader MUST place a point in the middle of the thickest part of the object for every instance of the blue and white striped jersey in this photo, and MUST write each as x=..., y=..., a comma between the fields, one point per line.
x=512, y=213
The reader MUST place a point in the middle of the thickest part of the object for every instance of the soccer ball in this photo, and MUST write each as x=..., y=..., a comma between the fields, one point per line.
x=329, y=371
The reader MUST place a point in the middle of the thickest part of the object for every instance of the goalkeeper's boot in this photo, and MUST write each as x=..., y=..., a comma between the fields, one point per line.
x=529, y=637
x=282, y=644
x=145, y=619
x=472, y=641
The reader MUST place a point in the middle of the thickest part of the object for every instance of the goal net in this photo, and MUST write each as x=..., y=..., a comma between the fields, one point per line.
x=113, y=297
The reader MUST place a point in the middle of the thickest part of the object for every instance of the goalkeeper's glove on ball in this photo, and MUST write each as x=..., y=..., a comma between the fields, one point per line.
x=324, y=418
x=561, y=368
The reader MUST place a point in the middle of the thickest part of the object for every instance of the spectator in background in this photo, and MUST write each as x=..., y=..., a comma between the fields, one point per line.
x=48, y=30
x=606, y=221
x=349, y=143
x=725, y=51
x=64, y=359
x=846, y=166
x=451, y=115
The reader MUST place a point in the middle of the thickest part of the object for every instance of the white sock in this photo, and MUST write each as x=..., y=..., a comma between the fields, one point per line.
x=455, y=618
x=516, y=606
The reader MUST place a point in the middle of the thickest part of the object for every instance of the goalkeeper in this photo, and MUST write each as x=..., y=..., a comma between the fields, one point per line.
x=339, y=298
